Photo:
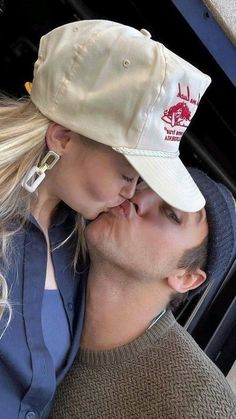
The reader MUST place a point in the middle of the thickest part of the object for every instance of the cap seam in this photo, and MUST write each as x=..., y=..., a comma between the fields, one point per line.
x=76, y=50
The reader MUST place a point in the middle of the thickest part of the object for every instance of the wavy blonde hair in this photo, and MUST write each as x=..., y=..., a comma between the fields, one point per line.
x=22, y=146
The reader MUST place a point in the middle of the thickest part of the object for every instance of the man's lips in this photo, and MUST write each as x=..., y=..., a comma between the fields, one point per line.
x=124, y=209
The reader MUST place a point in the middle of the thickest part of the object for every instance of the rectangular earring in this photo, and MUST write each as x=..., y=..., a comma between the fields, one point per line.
x=38, y=172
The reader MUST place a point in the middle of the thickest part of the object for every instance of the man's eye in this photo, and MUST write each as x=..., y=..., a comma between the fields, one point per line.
x=127, y=179
x=141, y=185
x=172, y=215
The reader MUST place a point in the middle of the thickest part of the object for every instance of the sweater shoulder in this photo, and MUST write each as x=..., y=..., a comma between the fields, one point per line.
x=191, y=369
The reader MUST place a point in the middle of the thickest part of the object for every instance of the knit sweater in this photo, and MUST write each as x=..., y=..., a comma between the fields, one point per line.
x=162, y=374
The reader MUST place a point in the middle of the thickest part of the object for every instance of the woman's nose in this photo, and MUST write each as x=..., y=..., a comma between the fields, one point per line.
x=128, y=190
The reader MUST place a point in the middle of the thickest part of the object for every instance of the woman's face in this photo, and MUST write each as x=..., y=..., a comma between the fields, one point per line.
x=91, y=177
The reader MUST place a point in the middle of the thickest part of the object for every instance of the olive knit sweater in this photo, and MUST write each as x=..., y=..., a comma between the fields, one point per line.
x=162, y=374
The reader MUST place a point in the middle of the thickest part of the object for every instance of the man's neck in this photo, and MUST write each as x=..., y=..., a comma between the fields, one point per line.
x=118, y=310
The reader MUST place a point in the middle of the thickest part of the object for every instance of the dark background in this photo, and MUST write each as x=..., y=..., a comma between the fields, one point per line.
x=208, y=144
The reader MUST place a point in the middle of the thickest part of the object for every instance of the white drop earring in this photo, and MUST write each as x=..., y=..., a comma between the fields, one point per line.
x=38, y=172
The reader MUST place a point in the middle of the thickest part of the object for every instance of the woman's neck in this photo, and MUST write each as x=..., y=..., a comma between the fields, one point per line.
x=43, y=207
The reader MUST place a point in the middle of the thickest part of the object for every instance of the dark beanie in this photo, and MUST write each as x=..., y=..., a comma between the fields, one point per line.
x=221, y=217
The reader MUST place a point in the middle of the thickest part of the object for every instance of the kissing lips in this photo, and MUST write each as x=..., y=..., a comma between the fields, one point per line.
x=125, y=207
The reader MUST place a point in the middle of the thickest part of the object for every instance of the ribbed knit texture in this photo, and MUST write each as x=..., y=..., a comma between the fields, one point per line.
x=221, y=219
x=163, y=374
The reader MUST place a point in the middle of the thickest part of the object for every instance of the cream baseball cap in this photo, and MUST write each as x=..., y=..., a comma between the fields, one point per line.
x=113, y=84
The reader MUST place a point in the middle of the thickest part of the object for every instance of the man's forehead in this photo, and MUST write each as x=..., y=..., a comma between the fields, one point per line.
x=142, y=185
x=194, y=220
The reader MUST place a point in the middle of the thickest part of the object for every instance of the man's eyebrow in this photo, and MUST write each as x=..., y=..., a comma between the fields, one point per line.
x=201, y=215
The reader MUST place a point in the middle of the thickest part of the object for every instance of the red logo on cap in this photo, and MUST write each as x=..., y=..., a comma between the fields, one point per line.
x=177, y=115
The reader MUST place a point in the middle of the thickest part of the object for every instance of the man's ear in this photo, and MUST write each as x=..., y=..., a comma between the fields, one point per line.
x=57, y=137
x=182, y=280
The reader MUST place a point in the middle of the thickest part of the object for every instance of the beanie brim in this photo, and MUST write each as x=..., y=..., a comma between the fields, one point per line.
x=221, y=218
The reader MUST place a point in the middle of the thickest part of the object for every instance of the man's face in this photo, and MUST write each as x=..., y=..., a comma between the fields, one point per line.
x=146, y=237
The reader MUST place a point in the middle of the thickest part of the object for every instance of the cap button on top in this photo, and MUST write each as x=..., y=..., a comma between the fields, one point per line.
x=146, y=33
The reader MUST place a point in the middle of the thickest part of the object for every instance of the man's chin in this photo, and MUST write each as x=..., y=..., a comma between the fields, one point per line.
x=99, y=216
x=96, y=221
x=97, y=230
x=92, y=217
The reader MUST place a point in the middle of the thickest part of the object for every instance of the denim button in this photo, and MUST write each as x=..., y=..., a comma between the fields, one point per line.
x=70, y=306
x=30, y=415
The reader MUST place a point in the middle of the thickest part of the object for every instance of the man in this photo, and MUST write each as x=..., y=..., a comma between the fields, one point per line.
x=135, y=360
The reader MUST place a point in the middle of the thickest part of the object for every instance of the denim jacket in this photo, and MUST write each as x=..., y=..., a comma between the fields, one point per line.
x=27, y=375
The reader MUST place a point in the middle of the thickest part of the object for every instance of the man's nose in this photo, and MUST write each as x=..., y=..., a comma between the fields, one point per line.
x=145, y=200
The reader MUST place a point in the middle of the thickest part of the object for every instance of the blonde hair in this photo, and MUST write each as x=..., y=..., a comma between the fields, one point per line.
x=22, y=146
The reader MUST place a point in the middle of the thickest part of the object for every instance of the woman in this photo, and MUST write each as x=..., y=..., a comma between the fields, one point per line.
x=99, y=92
